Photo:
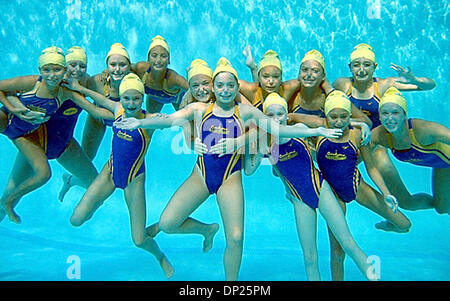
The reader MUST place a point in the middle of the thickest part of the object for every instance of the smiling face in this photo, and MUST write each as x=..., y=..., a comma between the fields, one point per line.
x=392, y=117
x=118, y=66
x=270, y=78
x=158, y=58
x=225, y=87
x=52, y=74
x=362, y=69
x=201, y=87
x=131, y=101
x=76, y=69
x=277, y=113
x=338, y=119
x=311, y=74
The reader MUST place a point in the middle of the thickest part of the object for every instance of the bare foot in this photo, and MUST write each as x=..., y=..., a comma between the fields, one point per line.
x=390, y=227
x=167, y=267
x=209, y=237
x=8, y=209
x=65, y=187
x=153, y=230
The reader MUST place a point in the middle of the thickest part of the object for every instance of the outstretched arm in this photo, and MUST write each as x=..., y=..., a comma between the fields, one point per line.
x=407, y=81
x=250, y=62
x=89, y=107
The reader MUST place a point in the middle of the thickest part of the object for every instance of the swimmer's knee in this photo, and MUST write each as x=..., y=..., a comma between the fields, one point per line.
x=167, y=225
x=235, y=237
x=76, y=221
x=138, y=240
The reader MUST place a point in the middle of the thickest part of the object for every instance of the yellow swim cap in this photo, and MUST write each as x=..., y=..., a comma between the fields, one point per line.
x=198, y=66
x=270, y=58
x=76, y=53
x=392, y=95
x=118, y=48
x=131, y=81
x=272, y=99
x=315, y=56
x=337, y=99
x=224, y=65
x=52, y=55
x=363, y=51
x=158, y=41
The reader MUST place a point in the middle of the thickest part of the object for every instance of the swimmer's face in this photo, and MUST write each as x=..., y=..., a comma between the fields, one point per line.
x=362, y=69
x=338, y=119
x=392, y=117
x=270, y=78
x=277, y=113
x=225, y=87
x=76, y=69
x=118, y=66
x=311, y=74
x=158, y=58
x=201, y=87
x=52, y=74
x=131, y=101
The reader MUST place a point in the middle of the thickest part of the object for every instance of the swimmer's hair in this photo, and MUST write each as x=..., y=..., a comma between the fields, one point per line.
x=224, y=65
x=76, y=53
x=52, y=55
x=197, y=67
x=314, y=55
x=272, y=99
x=393, y=95
x=158, y=41
x=118, y=48
x=337, y=100
x=363, y=51
x=131, y=81
x=270, y=58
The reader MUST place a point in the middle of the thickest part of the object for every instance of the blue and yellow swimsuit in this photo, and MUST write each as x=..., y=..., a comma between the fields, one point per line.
x=165, y=95
x=106, y=93
x=216, y=170
x=16, y=126
x=338, y=163
x=127, y=159
x=54, y=135
x=258, y=100
x=293, y=160
x=368, y=106
x=296, y=107
x=433, y=155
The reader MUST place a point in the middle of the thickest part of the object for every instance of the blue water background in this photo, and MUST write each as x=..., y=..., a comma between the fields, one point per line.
x=409, y=33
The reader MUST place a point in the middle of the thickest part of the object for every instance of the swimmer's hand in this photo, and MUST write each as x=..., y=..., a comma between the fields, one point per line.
x=366, y=134
x=225, y=146
x=392, y=202
x=405, y=75
x=72, y=84
x=33, y=117
x=199, y=147
x=128, y=123
x=329, y=133
x=249, y=60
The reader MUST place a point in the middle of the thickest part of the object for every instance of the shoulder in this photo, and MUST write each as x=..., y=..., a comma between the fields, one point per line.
x=140, y=68
x=379, y=136
x=175, y=79
x=342, y=83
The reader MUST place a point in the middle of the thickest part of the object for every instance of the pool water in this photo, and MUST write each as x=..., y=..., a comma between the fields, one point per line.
x=409, y=33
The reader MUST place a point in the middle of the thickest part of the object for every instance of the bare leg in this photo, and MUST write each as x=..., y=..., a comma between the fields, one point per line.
x=41, y=174
x=100, y=189
x=135, y=199
x=441, y=190
x=335, y=218
x=373, y=200
x=76, y=162
x=337, y=256
x=395, y=183
x=306, y=222
x=175, y=217
x=93, y=133
x=230, y=198
x=20, y=172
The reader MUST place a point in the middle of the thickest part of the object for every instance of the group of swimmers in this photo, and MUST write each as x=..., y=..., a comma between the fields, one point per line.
x=313, y=132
